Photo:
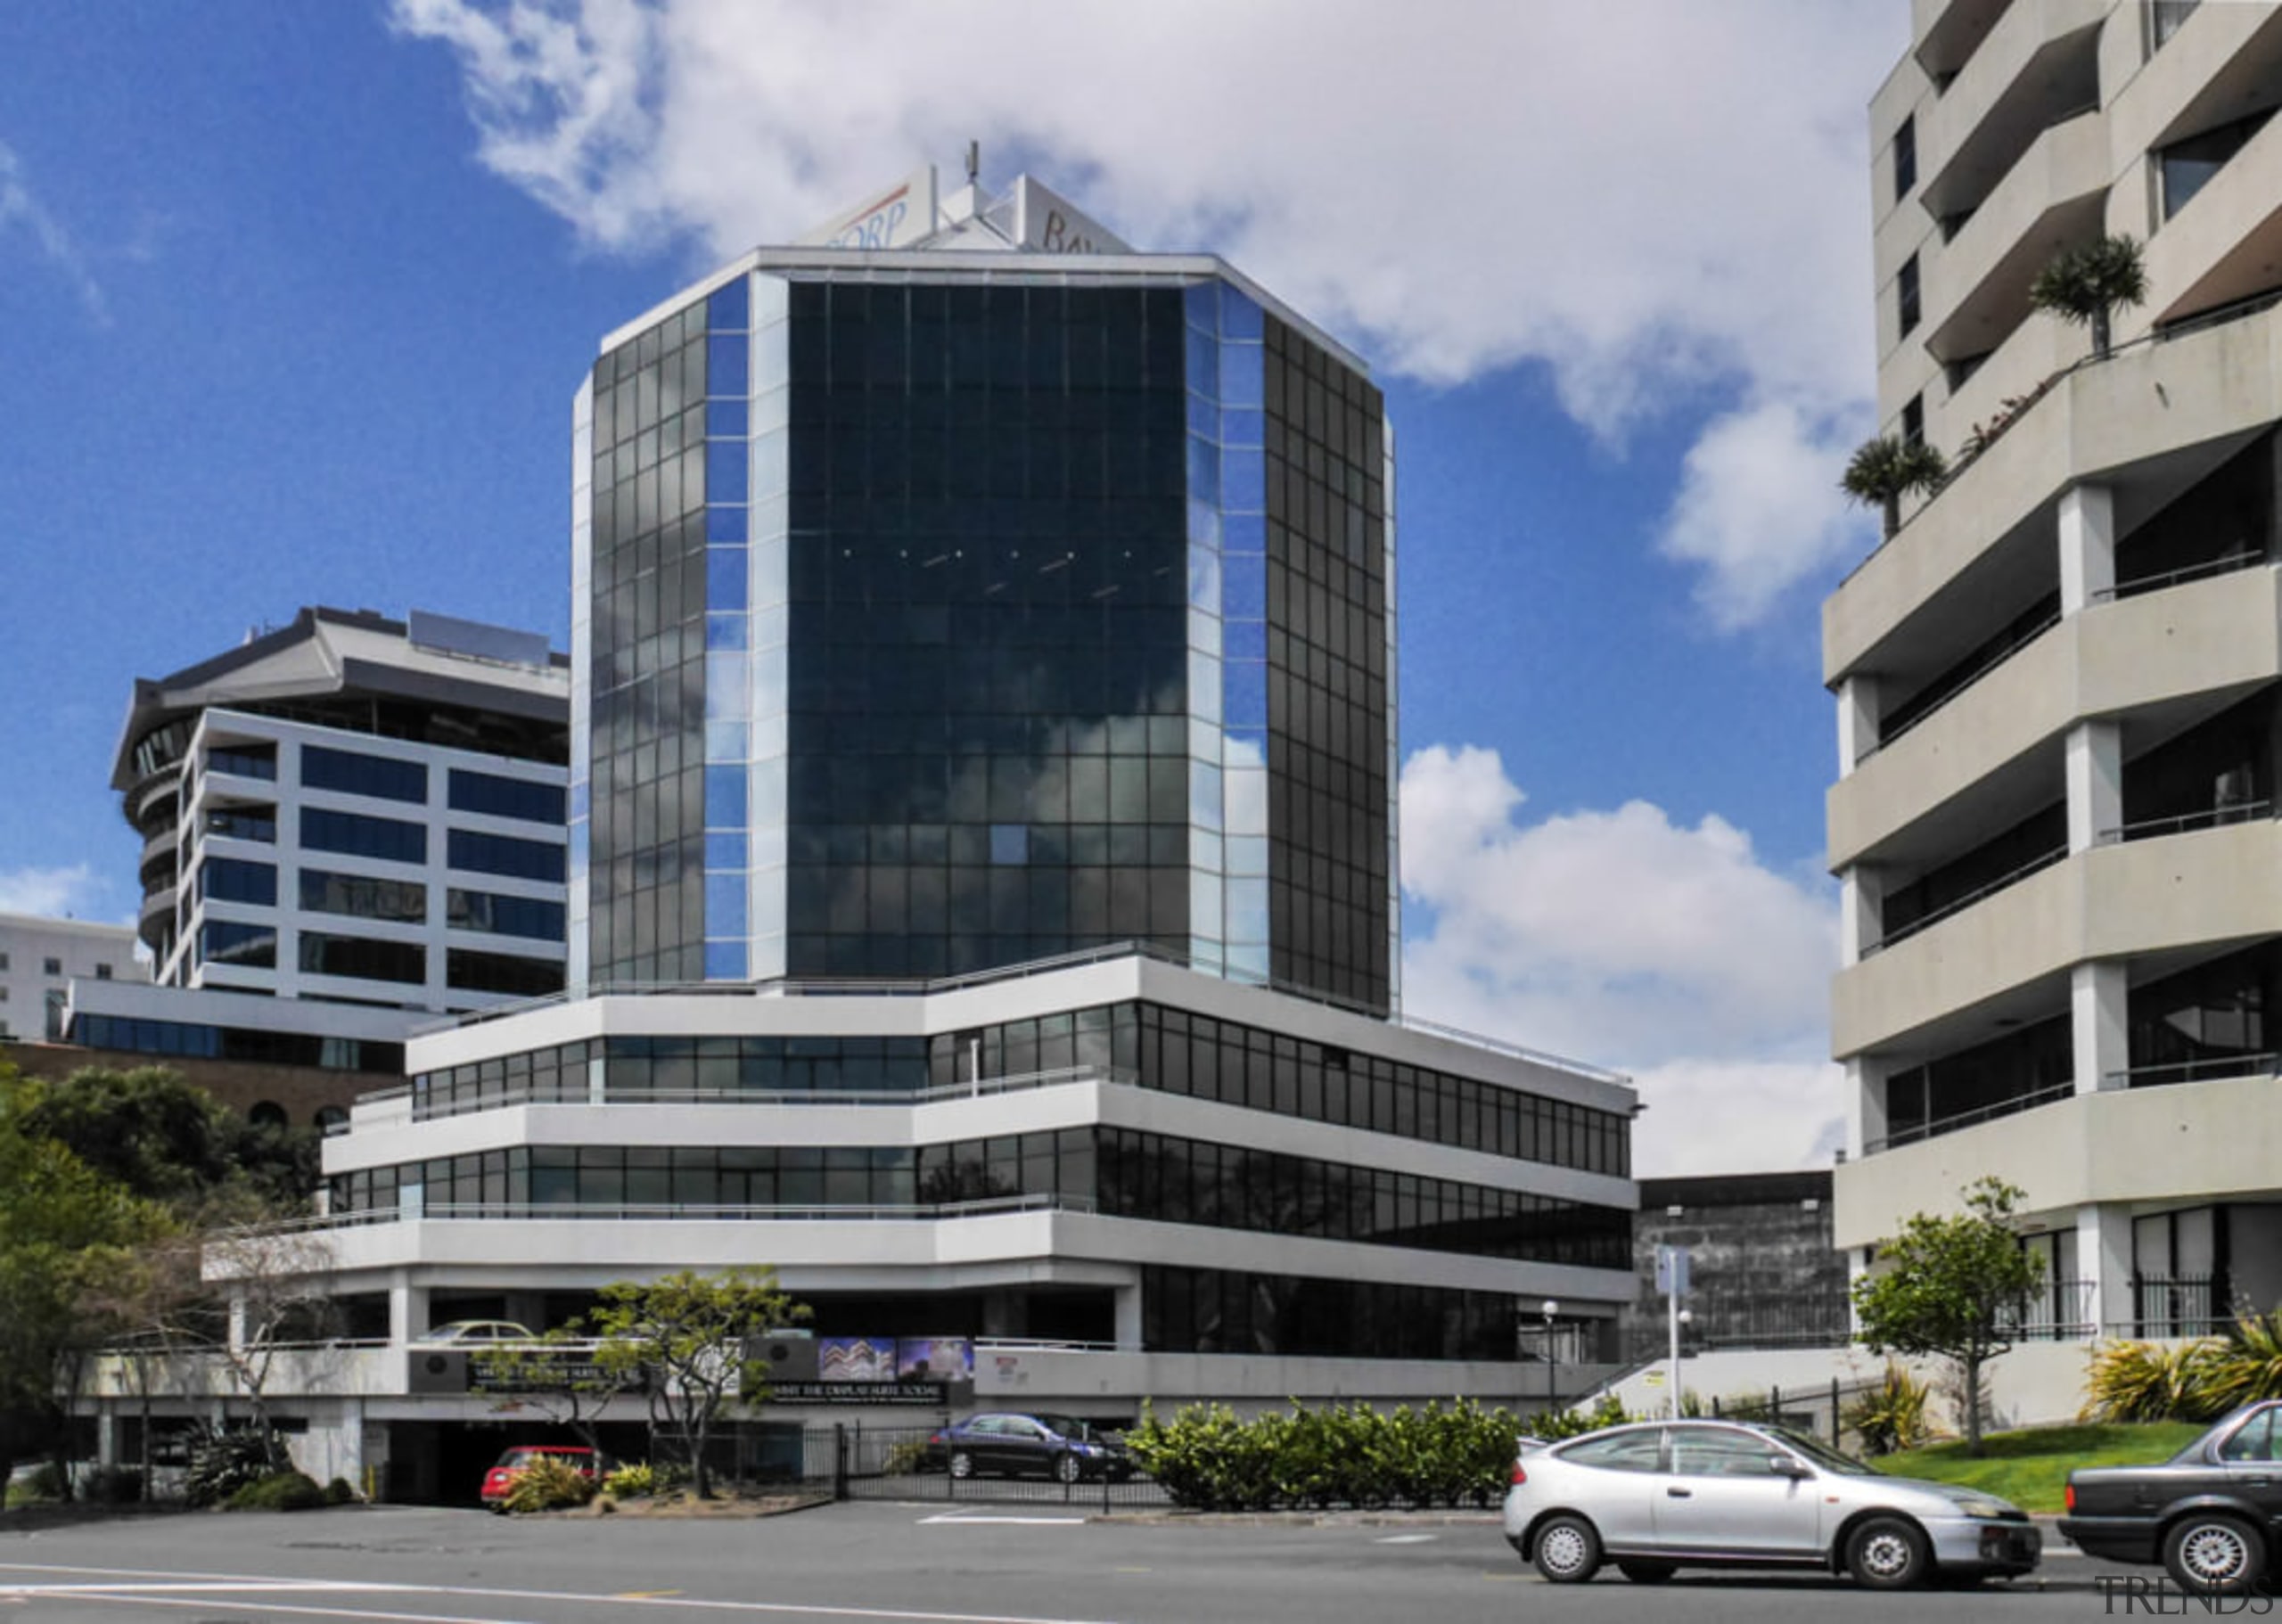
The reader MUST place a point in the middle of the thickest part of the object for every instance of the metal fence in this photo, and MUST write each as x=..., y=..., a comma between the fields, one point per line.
x=904, y=1464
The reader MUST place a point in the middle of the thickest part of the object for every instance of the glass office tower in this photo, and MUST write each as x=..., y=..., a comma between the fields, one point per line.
x=932, y=619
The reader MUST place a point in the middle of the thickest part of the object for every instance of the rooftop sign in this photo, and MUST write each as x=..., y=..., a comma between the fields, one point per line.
x=899, y=218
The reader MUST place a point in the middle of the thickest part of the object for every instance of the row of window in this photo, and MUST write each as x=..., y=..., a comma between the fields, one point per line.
x=1121, y=1172
x=1159, y=1047
x=1209, y=1310
x=238, y=1043
x=370, y=897
x=254, y=946
x=394, y=841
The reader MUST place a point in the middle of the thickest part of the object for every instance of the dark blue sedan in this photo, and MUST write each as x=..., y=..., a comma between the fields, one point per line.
x=1058, y=1446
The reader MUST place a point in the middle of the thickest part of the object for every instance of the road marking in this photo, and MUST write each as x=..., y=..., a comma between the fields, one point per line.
x=128, y=1581
x=642, y=1595
x=960, y=1516
x=1405, y=1538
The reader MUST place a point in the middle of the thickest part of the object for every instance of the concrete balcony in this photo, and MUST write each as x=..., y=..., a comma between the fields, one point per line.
x=2197, y=80
x=343, y=1369
x=2218, y=633
x=2214, y=1141
x=2126, y=421
x=2038, y=62
x=1948, y=32
x=2226, y=244
x=1976, y=286
x=2143, y=896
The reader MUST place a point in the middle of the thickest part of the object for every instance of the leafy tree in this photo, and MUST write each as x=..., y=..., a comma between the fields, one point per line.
x=1883, y=471
x=1945, y=1287
x=2088, y=282
x=66, y=1233
x=170, y=1141
x=686, y=1333
x=558, y=1378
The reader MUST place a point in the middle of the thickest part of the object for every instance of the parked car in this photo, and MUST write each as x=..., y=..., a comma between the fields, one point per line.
x=2210, y=1514
x=1060, y=1447
x=477, y=1332
x=1653, y=1498
x=500, y=1480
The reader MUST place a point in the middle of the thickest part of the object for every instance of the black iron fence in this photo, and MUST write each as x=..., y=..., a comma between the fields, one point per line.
x=864, y=1463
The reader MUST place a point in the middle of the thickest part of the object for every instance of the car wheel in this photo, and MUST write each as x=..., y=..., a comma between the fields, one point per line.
x=1646, y=1572
x=1888, y=1553
x=962, y=1463
x=1568, y=1550
x=2213, y=1555
x=1068, y=1468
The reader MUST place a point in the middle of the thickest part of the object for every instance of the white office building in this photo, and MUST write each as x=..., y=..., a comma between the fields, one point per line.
x=38, y=959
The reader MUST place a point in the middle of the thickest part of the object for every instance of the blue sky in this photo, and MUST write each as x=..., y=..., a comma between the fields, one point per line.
x=293, y=302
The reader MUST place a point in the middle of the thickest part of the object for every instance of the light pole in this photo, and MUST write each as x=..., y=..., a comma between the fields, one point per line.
x=1549, y=1308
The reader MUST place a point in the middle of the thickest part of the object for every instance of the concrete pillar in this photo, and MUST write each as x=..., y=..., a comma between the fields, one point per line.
x=1865, y=1105
x=2104, y=1259
x=2095, y=773
x=1857, y=1265
x=1858, y=719
x=1129, y=1318
x=1861, y=912
x=237, y=1319
x=2087, y=546
x=407, y=1311
x=2099, y=1024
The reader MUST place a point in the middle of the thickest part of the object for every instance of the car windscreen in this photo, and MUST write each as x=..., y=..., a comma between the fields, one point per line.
x=1823, y=1455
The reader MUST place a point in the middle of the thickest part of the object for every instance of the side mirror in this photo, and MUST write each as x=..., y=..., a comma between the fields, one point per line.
x=1785, y=1466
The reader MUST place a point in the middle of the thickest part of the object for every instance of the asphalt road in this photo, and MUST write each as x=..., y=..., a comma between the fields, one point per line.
x=888, y=1564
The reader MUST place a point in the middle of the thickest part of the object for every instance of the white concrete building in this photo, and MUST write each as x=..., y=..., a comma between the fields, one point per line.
x=350, y=824
x=2059, y=686
x=39, y=957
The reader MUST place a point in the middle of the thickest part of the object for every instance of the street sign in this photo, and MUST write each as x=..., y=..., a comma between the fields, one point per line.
x=1672, y=1270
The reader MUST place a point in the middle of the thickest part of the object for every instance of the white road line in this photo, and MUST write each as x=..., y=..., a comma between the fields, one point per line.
x=1404, y=1539
x=956, y=1516
x=137, y=1586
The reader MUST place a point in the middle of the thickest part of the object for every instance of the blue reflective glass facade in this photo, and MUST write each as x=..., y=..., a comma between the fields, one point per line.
x=930, y=624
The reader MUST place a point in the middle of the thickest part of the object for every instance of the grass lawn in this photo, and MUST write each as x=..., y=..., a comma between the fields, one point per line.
x=2030, y=1468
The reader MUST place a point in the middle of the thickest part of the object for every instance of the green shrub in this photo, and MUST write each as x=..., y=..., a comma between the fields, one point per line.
x=279, y=1491
x=2246, y=1365
x=37, y=1486
x=1340, y=1455
x=1891, y=1415
x=115, y=1486
x=548, y=1484
x=1554, y=1425
x=636, y=1479
x=2151, y=1381
x=222, y=1462
x=338, y=1493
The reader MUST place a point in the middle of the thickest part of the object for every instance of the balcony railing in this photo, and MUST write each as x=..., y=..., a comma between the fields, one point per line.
x=2058, y=1311
x=2210, y=1070
x=2153, y=828
x=812, y=1212
x=1964, y=684
x=2180, y=1304
x=2205, y=570
x=1939, y=1126
x=1903, y=933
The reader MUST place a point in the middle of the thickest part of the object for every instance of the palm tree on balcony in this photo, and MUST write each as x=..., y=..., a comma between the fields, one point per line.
x=2088, y=283
x=1884, y=470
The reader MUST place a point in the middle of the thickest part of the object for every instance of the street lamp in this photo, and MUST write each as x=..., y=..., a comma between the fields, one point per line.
x=1549, y=1308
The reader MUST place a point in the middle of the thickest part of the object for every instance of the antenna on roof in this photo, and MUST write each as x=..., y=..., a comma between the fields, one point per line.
x=974, y=163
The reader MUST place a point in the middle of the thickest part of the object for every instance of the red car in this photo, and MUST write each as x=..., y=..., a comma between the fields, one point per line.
x=500, y=1480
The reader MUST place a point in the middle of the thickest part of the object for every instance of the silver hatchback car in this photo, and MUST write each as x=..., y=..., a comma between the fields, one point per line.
x=1658, y=1496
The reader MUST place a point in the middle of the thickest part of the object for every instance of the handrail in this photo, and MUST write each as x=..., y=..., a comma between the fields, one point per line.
x=2033, y=865
x=1968, y=1118
x=2213, y=817
x=652, y=1211
x=2225, y=564
x=2262, y=1063
x=893, y=988
x=1970, y=680
x=507, y=1095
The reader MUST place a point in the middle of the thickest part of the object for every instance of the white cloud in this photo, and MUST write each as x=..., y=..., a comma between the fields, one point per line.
x=1630, y=941
x=18, y=207
x=1759, y=510
x=48, y=893
x=1661, y=203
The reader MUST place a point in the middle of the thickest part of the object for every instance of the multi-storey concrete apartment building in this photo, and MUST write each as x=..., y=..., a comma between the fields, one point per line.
x=982, y=873
x=350, y=826
x=39, y=957
x=2059, y=684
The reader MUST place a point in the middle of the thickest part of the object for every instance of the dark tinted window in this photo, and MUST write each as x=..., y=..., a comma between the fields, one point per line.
x=234, y=879
x=486, y=792
x=501, y=854
x=223, y=941
x=354, y=773
x=355, y=955
x=364, y=895
x=363, y=837
x=504, y=915
x=468, y=970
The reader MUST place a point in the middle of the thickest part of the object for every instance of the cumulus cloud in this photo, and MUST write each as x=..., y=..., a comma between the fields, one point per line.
x=48, y=892
x=19, y=207
x=1661, y=204
x=1624, y=939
